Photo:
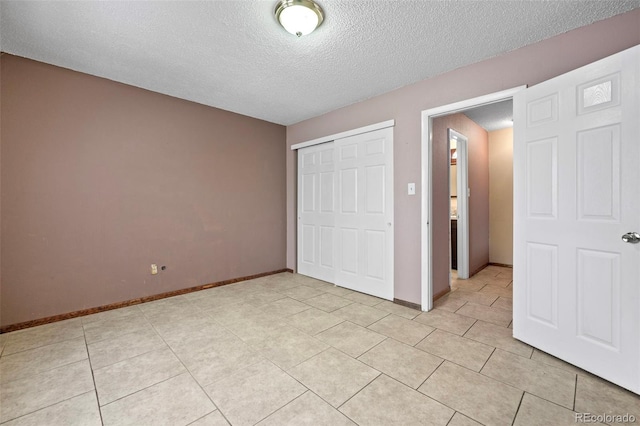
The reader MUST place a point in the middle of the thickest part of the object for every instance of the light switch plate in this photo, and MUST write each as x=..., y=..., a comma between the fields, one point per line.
x=411, y=189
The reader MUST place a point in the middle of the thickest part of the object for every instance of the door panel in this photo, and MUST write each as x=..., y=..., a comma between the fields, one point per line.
x=345, y=212
x=308, y=192
x=598, y=178
x=326, y=192
x=374, y=192
x=375, y=243
x=365, y=213
x=542, y=274
x=599, y=290
x=316, y=211
x=348, y=253
x=327, y=246
x=348, y=191
x=576, y=180
x=308, y=244
x=542, y=178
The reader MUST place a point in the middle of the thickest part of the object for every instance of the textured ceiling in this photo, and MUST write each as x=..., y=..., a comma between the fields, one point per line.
x=233, y=55
x=495, y=116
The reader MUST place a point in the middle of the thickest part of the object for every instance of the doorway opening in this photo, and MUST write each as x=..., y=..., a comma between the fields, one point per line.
x=434, y=268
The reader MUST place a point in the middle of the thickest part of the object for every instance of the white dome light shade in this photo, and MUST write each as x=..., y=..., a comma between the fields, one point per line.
x=299, y=20
x=299, y=17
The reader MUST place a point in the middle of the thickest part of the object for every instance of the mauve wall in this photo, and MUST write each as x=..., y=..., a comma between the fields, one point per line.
x=1, y=55
x=529, y=65
x=101, y=179
x=478, y=176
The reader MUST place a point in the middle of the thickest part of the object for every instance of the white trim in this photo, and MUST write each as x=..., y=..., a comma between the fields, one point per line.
x=352, y=132
x=425, y=237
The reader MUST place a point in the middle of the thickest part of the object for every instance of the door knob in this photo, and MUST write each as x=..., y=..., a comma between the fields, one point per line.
x=631, y=238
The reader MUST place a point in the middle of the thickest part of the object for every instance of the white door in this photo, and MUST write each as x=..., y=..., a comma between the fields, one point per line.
x=364, y=219
x=462, y=201
x=576, y=192
x=316, y=211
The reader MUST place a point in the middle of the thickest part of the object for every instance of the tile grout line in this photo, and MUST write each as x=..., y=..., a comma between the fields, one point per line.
x=424, y=338
x=430, y=374
x=462, y=306
x=266, y=359
x=302, y=384
x=487, y=360
x=190, y=374
x=93, y=378
x=515, y=415
x=371, y=348
x=451, y=419
x=496, y=347
x=126, y=359
x=380, y=373
x=144, y=353
x=47, y=370
x=51, y=405
x=142, y=389
x=424, y=394
x=344, y=353
x=442, y=403
x=41, y=346
x=463, y=366
x=517, y=388
x=467, y=330
x=485, y=320
x=142, y=315
x=285, y=405
x=575, y=394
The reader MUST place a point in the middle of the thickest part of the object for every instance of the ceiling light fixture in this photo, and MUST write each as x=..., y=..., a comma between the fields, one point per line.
x=299, y=17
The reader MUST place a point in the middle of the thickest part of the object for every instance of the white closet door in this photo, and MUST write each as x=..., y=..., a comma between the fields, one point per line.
x=577, y=216
x=316, y=211
x=364, y=219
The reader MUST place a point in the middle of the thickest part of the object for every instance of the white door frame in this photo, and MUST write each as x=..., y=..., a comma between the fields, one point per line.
x=341, y=135
x=426, y=147
x=462, y=191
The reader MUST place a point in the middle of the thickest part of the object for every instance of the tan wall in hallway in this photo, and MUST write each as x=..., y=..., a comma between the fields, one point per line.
x=501, y=196
x=529, y=65
x=101, y=179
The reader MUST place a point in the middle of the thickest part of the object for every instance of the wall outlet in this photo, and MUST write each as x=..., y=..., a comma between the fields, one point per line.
x=154, y=269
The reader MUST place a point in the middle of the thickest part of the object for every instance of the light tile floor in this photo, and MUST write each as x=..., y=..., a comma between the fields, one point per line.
x=290, y=350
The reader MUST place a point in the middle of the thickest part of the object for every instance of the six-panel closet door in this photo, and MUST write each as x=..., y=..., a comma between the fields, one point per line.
x=364, y=220
x=345, y=212
x=316, y=211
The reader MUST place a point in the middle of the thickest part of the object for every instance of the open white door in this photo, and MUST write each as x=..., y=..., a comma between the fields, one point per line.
x=364, y=220
x=576, y=180
x=316, y=211
x=462, y=191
